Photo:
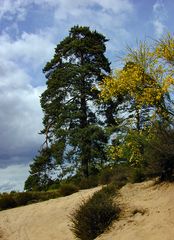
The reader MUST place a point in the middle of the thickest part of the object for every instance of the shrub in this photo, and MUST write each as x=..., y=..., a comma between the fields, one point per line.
x=22, y=198
x=94, y=215
x=121, y=175
x=6, y=201
x=110, y=190
x=159, y=154
x=16, y=199
x=43, y=196
x=118, y=175
x=137, y=175
x=90, y=182
x=106, y=175
x=67, y=189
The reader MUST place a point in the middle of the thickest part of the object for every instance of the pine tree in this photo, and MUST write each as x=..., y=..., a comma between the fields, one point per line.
x=71, y=116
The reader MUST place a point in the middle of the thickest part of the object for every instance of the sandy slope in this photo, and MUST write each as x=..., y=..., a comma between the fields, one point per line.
x=148, y=214
x=41, y=221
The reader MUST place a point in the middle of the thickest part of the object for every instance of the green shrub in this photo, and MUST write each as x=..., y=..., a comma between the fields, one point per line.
x=16, y=199
x=137, y=175
x=106, y=176
x=67, y=189
x=110, y=190
x=94, y=215
x=43, y=196
x=22, y=198
x=159, y=154
x=90, y=182
x=117, y=175
x=6, y=201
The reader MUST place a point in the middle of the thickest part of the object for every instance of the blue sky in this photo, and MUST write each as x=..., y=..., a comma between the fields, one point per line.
x=29, y=32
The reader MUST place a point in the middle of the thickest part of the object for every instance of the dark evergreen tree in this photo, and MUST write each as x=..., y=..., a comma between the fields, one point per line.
x=40, y=171
x=71, y=116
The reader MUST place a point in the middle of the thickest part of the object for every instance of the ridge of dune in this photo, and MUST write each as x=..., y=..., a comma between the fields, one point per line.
x=147, y=213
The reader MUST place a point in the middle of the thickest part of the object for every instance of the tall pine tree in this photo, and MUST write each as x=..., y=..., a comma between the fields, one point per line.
x=71, y=119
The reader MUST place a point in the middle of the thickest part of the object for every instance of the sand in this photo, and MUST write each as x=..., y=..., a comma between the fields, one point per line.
x=47, y=220
x=147, y=214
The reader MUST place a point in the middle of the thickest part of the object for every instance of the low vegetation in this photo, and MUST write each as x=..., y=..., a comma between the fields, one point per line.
x=16, y=199
x=95, y=215
x=67, y=189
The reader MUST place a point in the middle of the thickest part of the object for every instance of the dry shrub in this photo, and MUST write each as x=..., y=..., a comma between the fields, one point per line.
x=94, y=215
x=67, y=189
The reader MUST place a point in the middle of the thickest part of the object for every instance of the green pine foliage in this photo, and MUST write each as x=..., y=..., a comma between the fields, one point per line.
x=68, y=102
x=40, y=172
x=73, y=128
x=86, y=131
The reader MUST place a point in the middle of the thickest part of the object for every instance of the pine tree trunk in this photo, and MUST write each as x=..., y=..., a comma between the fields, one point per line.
x=85, y=149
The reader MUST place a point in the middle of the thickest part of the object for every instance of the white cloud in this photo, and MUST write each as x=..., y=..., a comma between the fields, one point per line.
x=32, y=49
x=159, y=27
x=13, y=177
x=20, y=115
x=21, y=120
x=160, y=16
x=10, y=8
x=100, y=12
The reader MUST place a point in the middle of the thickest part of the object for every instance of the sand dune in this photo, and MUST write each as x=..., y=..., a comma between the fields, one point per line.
x=47, y=220
x=148, y=214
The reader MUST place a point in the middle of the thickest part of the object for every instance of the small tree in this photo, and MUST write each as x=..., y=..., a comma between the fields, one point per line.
x=145, y=84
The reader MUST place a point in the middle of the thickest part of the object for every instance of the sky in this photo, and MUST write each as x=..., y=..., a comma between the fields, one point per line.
x=29, y=32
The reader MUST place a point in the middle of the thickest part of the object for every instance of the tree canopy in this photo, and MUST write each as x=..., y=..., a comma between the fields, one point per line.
x=146, y=83
x=93, y=116
x=72, y=126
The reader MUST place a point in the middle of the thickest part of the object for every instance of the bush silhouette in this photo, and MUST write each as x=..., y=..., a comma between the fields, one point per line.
x=6, y=201
x=94, y=216
x=159, y=154
x=67, y=189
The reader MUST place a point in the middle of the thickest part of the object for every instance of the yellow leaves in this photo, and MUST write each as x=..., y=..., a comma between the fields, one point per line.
x=130, y=149
x=134, y=82
x=112, y=152
x=168, y=82
x=145, y=79
x=107, y=88
x=165, y=48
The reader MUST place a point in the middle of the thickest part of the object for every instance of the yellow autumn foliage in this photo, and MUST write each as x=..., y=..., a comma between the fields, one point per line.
x=145, y=79
x=165, y=48
x=135, y=83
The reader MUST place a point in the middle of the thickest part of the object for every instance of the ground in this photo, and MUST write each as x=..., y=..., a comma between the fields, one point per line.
x=147, y=213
